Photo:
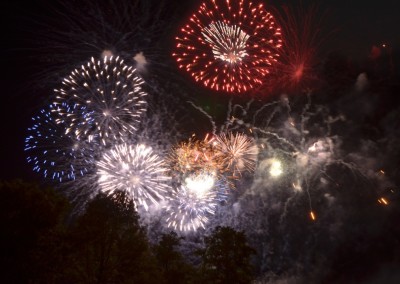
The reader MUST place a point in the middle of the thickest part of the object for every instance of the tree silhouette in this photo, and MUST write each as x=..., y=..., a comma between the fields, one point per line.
x=226, y=257
x=27, y=213
x=109, y=246
x=174, y=268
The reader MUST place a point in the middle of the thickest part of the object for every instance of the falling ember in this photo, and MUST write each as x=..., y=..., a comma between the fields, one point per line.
x=383, y=200
x=382, y=172
x=312, y=215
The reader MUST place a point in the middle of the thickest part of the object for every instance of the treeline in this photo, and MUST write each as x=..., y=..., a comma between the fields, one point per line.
x=106, y=244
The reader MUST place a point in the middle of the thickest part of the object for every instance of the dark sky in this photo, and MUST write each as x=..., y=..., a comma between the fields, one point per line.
x=362, y=24
x=357, y=25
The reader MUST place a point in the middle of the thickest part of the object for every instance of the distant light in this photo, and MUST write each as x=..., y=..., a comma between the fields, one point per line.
x=276, y=168
x=200, y=184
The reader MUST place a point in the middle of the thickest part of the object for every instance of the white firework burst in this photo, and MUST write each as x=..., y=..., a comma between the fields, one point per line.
x=134, y=169
x=195, y=201
x=228, y=42
x=107, y=97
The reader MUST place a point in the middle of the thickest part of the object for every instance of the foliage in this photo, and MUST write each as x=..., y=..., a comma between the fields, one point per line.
x=226, y=257
x=109, y=246
x=171, y=261
x=27, y=212
x=106, y=244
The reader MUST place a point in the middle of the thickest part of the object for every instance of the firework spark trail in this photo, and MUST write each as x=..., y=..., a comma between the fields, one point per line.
x=134, y=169
x=57, y=155
x=211, y=120
x=229, y=46
x=260, y=111
x=164, y=124
x=108, y=101
x=285, y=208
x=231, y=114
x=80, y=191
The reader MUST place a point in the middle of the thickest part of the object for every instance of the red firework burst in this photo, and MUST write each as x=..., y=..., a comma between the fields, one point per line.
x=229, y=45
x=298, y=59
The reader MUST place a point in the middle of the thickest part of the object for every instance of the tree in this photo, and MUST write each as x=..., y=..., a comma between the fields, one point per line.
x=173, y=266
x=226, y=257
x=28, y=212
x=109, y=246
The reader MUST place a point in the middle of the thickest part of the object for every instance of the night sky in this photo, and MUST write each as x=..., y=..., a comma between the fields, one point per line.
x=352, y=28
x=357, y=37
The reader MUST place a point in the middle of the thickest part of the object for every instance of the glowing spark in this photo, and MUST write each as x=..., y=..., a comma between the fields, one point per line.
x=383, y=200
x=312, y=215
x=275, y=169
x=140, y=61
x=297, y=186
x=199, y=184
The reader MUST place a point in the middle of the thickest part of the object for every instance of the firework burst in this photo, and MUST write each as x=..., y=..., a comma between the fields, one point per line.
x=57, y=155
x=107, y=98
x=134, y=169
x=238, y=152
x=229, y=46
x=199, y=184
x=193, y=202
x=195, y=156
x=298, y=58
